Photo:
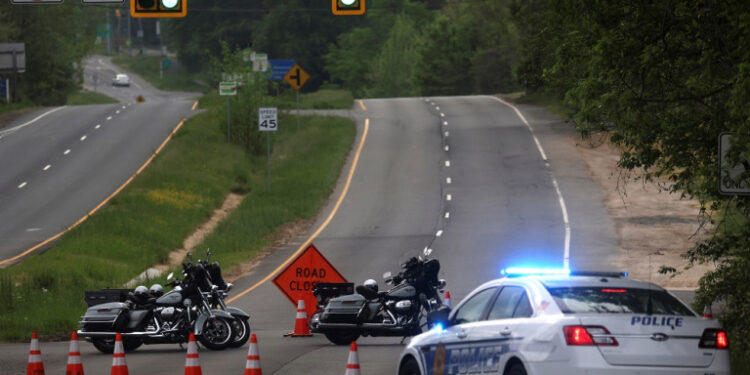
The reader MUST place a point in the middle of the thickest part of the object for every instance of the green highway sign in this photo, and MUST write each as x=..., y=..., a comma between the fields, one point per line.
x=228, y=88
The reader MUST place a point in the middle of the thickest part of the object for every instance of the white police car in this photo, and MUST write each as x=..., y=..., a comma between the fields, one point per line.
x=569, y=323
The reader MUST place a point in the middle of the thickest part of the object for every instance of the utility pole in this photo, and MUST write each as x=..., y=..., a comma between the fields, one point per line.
x=109, y=34
x=130, y=33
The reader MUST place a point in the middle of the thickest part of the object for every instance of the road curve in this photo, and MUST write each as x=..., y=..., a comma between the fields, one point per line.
x=484, y=202
x=60, y=163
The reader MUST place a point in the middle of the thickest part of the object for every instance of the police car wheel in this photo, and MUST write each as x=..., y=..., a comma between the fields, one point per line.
x=409, y=367
x=516, y=369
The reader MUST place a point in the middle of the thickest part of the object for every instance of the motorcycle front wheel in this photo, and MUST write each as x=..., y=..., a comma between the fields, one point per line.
x=342, y=337
x=107, y=345
x=217, y=333
x=241, y=329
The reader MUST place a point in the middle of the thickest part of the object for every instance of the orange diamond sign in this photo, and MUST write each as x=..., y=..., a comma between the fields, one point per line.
x=297, y=280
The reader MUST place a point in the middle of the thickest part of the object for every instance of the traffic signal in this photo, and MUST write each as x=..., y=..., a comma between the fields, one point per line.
x=158, y=8
x=348, y=7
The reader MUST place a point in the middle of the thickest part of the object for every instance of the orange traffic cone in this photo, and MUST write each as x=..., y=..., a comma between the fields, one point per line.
x=252, y=366
x=301, y=327
x=192, y=367
x=119, y=367
x=352, y=365
x=35, y=366
x=448, y=298
x=75, y=367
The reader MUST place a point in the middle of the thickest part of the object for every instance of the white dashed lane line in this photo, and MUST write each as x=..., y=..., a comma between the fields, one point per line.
x=97, y=126
x=442, y=115
x=447, y=133
x=47, y=167
x=447, y=215
x=83, y=138
x=117, y=112
x=22, y=185
x=447, y=148
x=449, y=197
x=123, y=107
x=448, y=180
x=66, y=152
x=109, y=118
x=447, y=163
x=438, y=108
x=33, y=229
x=445, y=123
x=439, y=233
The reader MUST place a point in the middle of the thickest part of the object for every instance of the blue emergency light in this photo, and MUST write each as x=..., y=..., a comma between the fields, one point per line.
x=534, y=271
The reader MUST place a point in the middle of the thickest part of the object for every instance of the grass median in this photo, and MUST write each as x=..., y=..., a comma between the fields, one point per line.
x=172, y=197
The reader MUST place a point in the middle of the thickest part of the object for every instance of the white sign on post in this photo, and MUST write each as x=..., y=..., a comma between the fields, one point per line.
x=268, y=119
x=730, y=182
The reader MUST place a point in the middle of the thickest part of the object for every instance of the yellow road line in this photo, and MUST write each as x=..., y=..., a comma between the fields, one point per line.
x=322, y=226
x=195, y=105
x=362, y=104
x=100, y=205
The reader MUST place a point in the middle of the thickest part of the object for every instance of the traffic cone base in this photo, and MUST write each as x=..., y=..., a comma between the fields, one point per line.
x=301, y=325
x=252, y=366
x=75, y=367
x=35, y=366
x=448, y=299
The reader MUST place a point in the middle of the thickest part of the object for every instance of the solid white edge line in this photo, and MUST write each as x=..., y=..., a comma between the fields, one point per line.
x=561, y=200
x=18, y=127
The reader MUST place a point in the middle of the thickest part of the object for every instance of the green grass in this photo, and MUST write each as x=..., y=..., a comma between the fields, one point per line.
x=5, y=108
x=175, y=79
x=321, y=99
x=154, y=214
x=89, y=97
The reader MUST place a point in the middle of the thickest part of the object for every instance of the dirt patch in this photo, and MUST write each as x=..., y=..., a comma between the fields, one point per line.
x=282, y=236
x=654, y=227
x=231, y=202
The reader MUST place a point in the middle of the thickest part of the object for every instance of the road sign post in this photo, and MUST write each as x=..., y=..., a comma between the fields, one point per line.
x=299, y=278
x=228, y=89
x=268, y=121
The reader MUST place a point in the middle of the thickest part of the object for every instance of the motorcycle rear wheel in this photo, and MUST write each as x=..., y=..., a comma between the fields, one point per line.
x=217, y=334
x=107, y=345
x=342, y=337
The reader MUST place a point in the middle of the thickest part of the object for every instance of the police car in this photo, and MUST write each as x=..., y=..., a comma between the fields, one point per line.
x=541, y=322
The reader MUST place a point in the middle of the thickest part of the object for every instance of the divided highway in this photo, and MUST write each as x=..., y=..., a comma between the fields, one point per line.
x=59, y=163
x=461, y=175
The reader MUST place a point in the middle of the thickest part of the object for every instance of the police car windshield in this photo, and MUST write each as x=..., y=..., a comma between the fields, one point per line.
x=616, y=301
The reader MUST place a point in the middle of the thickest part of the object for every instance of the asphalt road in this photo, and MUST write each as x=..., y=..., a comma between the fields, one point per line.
x=461, y=175
x=57, y=164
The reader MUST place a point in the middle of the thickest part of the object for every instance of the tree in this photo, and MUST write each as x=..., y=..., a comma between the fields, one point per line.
x=393, y=69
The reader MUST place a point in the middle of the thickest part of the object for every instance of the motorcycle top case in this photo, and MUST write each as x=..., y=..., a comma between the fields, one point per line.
x=105, y=317
x=97, y=297
x=344, y=309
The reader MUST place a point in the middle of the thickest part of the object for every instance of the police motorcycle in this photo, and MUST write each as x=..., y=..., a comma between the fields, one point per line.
x=215, y=298
x=397, y=312
x=146, y=317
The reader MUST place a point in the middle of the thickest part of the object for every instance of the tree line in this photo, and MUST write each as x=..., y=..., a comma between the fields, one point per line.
x=57, y=38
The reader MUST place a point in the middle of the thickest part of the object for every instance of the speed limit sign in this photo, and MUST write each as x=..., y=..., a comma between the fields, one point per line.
x=268, y=119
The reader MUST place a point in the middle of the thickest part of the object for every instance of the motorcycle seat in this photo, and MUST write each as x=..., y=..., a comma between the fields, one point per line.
x=366, y=292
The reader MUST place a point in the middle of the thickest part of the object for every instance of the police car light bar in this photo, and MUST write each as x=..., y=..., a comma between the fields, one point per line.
x=532, y=271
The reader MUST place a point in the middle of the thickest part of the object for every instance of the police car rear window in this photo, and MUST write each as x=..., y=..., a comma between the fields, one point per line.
x=617, y=301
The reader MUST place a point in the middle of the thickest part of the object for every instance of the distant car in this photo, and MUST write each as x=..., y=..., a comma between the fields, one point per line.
x=569, y=323
x=121, y=80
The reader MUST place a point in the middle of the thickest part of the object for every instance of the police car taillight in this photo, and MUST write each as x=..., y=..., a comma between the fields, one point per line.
x=714, y=339
x=588, y=336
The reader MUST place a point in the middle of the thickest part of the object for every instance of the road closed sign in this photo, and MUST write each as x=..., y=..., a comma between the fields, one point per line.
x=299, y=278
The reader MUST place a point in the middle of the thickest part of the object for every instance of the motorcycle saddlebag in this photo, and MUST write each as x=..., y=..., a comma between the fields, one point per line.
x=106, y=317
x=344, y=309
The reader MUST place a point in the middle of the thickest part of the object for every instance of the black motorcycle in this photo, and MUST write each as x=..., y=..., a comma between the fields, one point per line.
x=398, y=312
x=149, y=319
x=241, y=323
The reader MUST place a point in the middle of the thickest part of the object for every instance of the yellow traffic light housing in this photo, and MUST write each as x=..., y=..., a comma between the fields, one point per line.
x=158, y=8
x=348, y=7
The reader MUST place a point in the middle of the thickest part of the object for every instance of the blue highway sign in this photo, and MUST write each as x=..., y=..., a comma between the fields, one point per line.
x=279, y=68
